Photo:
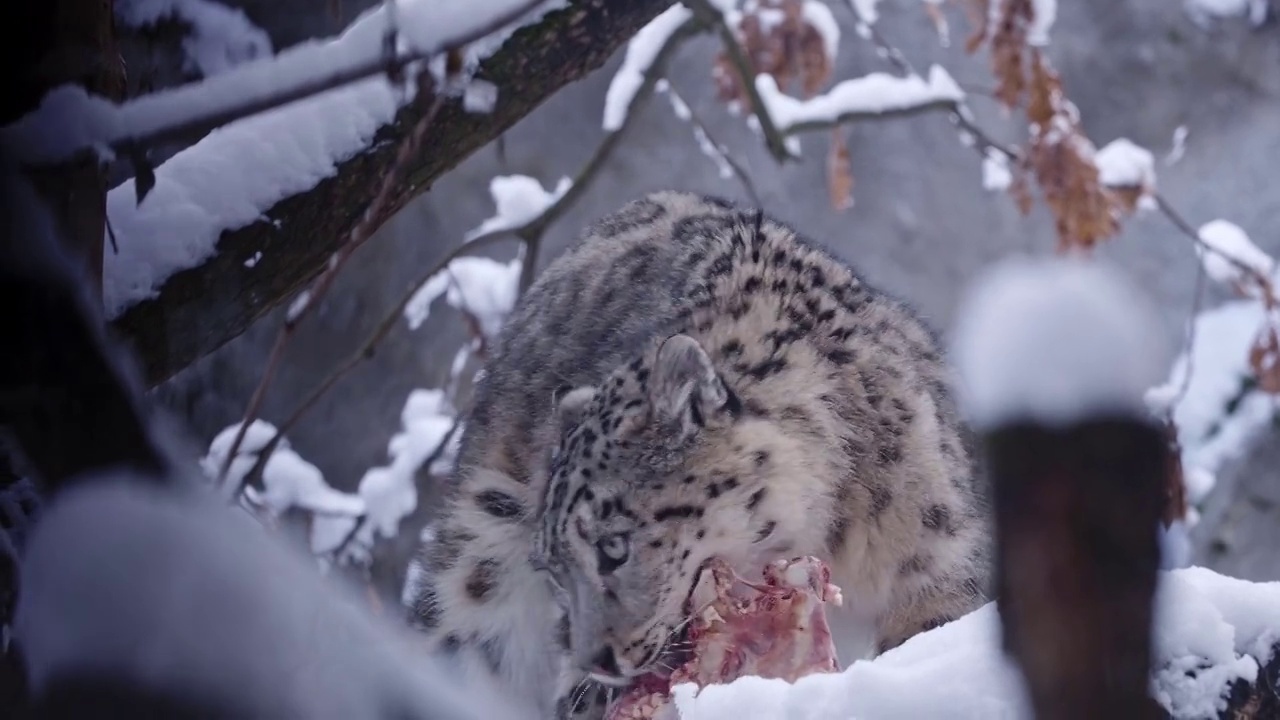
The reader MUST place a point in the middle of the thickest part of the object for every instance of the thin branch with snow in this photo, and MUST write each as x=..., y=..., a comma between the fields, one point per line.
x=711, y=16
x=707, y=143
x=359, y=234
x=529, y=230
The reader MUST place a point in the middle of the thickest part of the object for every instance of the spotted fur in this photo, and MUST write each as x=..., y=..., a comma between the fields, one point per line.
x=694, y=380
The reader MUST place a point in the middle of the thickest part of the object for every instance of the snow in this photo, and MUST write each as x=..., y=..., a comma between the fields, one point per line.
x=221, y=37
x=1203, y=12
x=1205, y=625
x=1219, y=416
x=298, y=306
x=1175, y=545
x=288, y=480
x=1224, y=238
x=995, y=171
x=272, y=155
x=1179, y=148
x=254, y=260
x=418, y=309
x=717, y=153
x=390, y=492
x=1056, y=340
x=1044, y=12
x=520, y=199
x=642, y=51
x=866, y=10
x=867, y=95
x=1122, y=163
x=820, y=17
x=487, y=289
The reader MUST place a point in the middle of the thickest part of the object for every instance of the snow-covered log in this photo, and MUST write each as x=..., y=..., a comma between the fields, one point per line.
x=198, y=309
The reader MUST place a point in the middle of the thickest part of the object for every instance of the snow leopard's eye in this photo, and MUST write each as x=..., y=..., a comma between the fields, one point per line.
x=612, y=551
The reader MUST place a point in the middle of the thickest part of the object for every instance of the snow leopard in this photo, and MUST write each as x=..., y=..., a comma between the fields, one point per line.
x=694, y=379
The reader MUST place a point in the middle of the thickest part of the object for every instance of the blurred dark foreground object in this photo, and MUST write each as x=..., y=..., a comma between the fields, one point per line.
x=138, y=593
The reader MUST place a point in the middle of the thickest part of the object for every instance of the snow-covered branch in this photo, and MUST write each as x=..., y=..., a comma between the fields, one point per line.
x=219, y=37
x=872, y=96
x=70, y=122
x=297, y=201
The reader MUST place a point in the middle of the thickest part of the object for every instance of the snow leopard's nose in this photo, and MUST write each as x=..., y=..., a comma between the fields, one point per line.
x=605, y=663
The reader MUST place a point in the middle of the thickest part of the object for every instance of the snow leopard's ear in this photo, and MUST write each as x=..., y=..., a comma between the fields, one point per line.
x=570, y=404
x=684, y=387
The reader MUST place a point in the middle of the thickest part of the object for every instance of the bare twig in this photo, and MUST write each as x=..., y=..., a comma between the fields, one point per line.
x=721, y=151
x=186, y=129
x=365, y=351
x=360, y=233
x=1264, y=282
x=887, y=50
x=774, y=139
x=363, y=519
x=1190, y=342
x=530, y=233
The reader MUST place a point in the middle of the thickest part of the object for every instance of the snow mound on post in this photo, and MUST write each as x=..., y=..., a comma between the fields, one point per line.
x=1055, y=340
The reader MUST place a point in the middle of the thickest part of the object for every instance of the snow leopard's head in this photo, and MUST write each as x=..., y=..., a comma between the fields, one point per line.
x=649, y=480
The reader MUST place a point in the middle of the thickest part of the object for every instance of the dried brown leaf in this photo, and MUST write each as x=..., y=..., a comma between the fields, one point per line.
x=978, y=12
x=1264, y=360
x=792, y=50
x=839, y=172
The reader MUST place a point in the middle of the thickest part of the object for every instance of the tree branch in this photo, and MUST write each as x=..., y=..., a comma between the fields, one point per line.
x=774, y=138
x=530, y=233
x=360, y=234
x=200, y=309
x=124, y=139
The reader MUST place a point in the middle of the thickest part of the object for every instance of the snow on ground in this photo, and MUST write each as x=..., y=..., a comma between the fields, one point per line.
x=870, y=94
x=390, y=493
x=642, y=51
x=288, y=480
x=220, y=38
x=1207, y=626
x=1054, y=339
x=272, y=155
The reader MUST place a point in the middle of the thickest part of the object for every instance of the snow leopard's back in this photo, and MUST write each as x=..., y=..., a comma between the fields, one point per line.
x=596, y=306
